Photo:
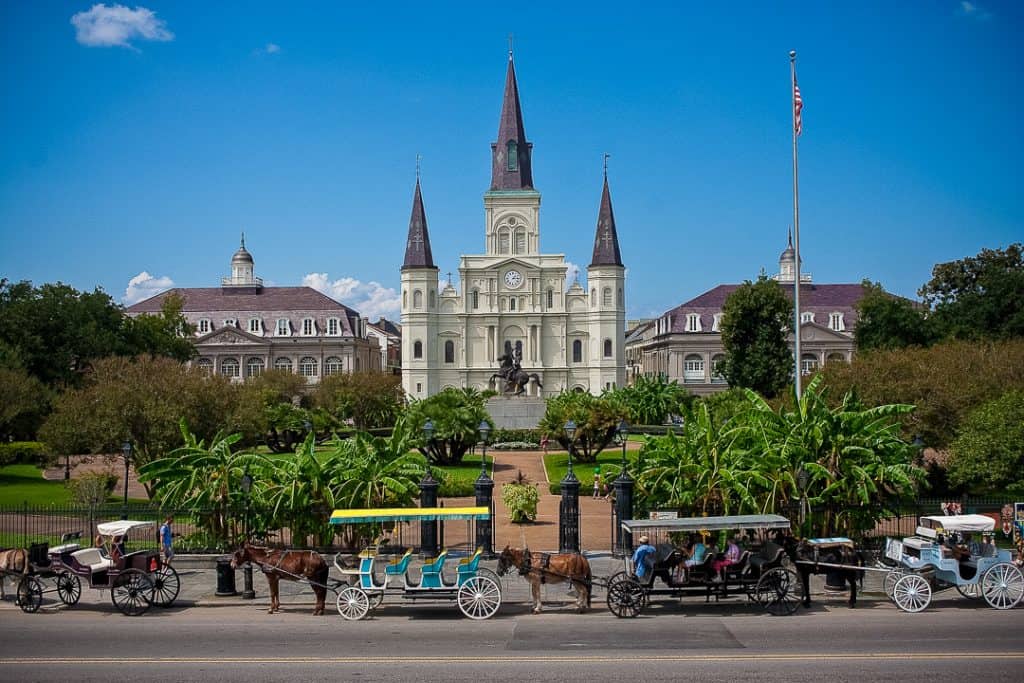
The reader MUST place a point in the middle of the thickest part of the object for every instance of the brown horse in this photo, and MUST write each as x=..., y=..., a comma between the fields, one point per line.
x=540, y=568
x=290, y=565
x=13, y=561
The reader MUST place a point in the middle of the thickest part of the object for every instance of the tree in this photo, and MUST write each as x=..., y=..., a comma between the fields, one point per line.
x=368, y=399
x=885, y=321
x=988, y=455
x=378, y=471
x=165, y=334
x=24, y=400
x=981, y=296
x=755, y=320
x=652, y=400
x=300, y=491
x=456, y=415
x=141, y=400
x=596, y=418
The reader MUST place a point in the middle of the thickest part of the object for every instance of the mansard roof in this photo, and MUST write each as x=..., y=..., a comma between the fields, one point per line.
x=265, y=299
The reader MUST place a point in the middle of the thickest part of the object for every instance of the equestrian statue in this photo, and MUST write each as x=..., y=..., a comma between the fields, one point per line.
x=512, y=373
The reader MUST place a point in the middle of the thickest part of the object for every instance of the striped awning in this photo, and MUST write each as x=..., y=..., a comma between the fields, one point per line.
x=407, y=514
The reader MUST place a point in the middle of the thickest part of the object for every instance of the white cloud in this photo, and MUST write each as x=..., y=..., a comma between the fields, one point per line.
x=117, y=26
x=143, y=286
x=572, y=272
x=371, y=299
x=272, y=48
x=969, y=9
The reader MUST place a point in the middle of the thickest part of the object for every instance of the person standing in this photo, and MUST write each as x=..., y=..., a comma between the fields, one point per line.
x=166, y=539
x=597, y=482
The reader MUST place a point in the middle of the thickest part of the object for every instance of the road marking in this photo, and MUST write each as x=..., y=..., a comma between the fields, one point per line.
x=570, y=659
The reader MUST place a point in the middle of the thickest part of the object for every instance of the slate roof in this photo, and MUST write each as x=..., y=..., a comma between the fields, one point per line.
x=818, y=299
x=511, y=128
x=388, y=327
x=417, y=245
x=606, y=239
x=218, y=299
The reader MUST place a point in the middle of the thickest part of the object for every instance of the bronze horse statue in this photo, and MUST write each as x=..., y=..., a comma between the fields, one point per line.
x=538, y=568
x=514, y=376
x=290, y=565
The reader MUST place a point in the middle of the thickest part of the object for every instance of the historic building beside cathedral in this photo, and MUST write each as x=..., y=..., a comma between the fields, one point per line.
x=513, y=297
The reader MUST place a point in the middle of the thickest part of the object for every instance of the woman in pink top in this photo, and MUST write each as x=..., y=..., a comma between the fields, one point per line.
x=732, y=556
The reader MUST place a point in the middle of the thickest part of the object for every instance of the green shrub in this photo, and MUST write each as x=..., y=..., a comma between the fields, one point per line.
x=92, y=488
x=510, y=435
x=25, y=453
x=456, y=486
x=521, y=501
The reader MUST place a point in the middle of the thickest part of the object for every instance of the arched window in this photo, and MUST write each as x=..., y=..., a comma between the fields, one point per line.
x=254, y=367
x=229, y=367
x=307, y=366
x=577, y=351
x=475, y=296
x=807, y=317
x=836, y=357
x=513, y=155
x=593, y=296
x=693, y=368
x=520, y=242
x=619, y=299
x=283, y=364
x=405, y=299
x=417, y=349
x=551, y=298
x=433, y=300
x=449, y=351
x=716, y=368
x=205, y=364
x=512, y=303
x=332, y=366
x=606, y=296
x=808, y=363
x=607, y=348
x=503, y=240
x=417, y=299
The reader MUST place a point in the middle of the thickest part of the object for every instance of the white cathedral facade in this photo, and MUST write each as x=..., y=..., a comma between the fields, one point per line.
x=513, y=299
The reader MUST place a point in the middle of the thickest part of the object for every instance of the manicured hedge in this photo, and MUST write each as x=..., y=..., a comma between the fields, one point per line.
x=25, y=453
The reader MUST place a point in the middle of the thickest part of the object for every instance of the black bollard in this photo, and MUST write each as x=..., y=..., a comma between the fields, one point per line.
x=428, y=529
x=569, y=514
x=484, y=487
x=225, y=578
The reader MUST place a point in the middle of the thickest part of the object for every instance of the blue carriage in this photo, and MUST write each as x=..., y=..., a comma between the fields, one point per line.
x=942, y=554
x=475, y=589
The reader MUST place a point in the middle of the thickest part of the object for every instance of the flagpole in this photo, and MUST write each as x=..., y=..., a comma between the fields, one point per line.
x=796, y=231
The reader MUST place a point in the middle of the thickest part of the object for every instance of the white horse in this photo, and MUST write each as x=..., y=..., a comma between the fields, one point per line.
x=12, y=562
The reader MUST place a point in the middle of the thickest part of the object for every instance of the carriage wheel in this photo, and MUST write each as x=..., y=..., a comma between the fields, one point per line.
x=166, y=585
x=353, y=603
x=69, y=588
x=912, y=593
x=479, y=597
x=777, y=591
x=626, y=598
x=132, y=592
x=30, y=594
x=1003, y=585
x=889, y=582
x=971, y=591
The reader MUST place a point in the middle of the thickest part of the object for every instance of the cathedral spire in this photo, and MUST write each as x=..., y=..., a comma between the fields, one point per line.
x=606, y=240
x=417, y=247
x=511, y=168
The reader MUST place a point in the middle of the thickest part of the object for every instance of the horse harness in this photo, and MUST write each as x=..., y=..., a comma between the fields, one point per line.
x=276, y=568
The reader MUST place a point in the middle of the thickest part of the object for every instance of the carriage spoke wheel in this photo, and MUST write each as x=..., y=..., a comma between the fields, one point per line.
x=972, y=591
x=1003, y=585
x=479, y=597
x=353, y=603
x=777, y=591
x=166, y=585
x=889, y=582
x=30, y=594
x=132, y=592
x=69, y=588
x=626, y=598
x=912, y=593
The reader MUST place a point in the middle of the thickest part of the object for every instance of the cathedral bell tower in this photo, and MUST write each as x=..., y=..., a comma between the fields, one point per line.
x=419, y=305
x=606, y=280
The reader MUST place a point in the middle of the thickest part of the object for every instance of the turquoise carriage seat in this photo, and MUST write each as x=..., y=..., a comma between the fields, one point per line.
x=398, y=567
x=430, y=575
x=467, y=567
x=366, y=578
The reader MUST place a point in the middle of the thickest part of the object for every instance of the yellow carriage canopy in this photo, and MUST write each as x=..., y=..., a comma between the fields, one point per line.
x=369, y=515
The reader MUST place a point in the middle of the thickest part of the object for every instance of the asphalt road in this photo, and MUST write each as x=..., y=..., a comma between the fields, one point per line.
x=955, y=639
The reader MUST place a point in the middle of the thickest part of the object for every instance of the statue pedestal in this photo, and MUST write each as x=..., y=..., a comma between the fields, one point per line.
x=516, y=412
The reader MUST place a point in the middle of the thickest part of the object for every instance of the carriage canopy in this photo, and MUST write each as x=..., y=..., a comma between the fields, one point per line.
x=121, y=527
x=706, y=523
x=959, y=522
x=362, y=516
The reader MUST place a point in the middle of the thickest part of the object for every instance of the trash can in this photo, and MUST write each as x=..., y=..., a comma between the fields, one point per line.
x=225, y=577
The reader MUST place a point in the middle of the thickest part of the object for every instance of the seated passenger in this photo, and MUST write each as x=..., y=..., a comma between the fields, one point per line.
x=697, y=551
x=640, y=557
x=732, y=556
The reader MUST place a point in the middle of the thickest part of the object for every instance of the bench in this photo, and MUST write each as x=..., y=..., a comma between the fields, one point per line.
x=430, y=573
x=467, y=567
x=93, y=559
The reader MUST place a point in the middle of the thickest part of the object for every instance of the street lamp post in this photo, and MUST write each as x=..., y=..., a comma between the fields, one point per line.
x=484, y=487
x=67, y=466
x=126, y=449
x=248, y=593
x=623, y=485
x=569, y=508
x=428, y=499
x=802, y=479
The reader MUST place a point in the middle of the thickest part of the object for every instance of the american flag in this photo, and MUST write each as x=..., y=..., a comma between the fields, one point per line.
x=798, y=105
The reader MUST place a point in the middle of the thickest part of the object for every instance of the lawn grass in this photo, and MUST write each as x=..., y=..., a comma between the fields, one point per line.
x=557, y=464
x=25, y=484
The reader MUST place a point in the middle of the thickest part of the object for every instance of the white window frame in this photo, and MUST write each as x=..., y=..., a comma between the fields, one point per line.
x=204, y=326
x=230, y=322
x=716, y=373
x=230, y=367
x=283, y=328
x=808, y=363
x=308, y=327
x=308, y=367
x=255, y=326
x=807, y=317
x=205, y=364
x=716, y=322
x=283, y=363
x=693, y=322
x=333, y=365
x=693, y=369
x=836, y=322
x=333, y=327
x=254, y=362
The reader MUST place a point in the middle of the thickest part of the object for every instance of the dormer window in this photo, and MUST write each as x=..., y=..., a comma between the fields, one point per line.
x=308, y=327
x=716, y=322
x=283, y=328
x=806, y=317
x=693, y=322
x=204, y=326
x=255, y=326
x=513, y=155
x=332, y=327
x=835, y=321
x=230, y=322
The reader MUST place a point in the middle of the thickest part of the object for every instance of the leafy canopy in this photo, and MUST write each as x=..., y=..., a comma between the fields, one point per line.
x=756, y=318
x=988, y=455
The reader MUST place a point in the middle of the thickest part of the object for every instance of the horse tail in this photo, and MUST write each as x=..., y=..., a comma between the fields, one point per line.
x=590, y=581
x=536, y=378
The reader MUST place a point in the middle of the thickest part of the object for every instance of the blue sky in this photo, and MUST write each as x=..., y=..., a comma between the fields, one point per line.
x=148, y=144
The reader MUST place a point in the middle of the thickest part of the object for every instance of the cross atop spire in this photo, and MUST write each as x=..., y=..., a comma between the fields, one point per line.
x=606, y=239
x=419, y=157
x=510, y=155
x=417, y=246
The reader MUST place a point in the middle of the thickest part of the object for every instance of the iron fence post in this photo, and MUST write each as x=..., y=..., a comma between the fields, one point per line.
x=428, y=529
x=484, y=487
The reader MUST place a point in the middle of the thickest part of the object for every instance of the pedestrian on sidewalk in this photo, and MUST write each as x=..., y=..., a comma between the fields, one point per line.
x=597, y=482
x=166, y=543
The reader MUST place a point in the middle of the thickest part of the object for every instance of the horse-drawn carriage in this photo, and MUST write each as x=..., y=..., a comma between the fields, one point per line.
x=760, y=574
x=941, y=555
x=135, y=579
x=475, y=590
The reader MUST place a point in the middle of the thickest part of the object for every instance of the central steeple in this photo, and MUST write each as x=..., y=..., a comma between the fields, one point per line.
x=510, y=155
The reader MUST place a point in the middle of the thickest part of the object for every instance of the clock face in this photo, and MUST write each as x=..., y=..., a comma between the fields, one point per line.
x=513, y=279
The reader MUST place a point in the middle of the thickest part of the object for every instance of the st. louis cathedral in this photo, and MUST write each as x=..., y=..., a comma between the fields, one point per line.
x=513, y=300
